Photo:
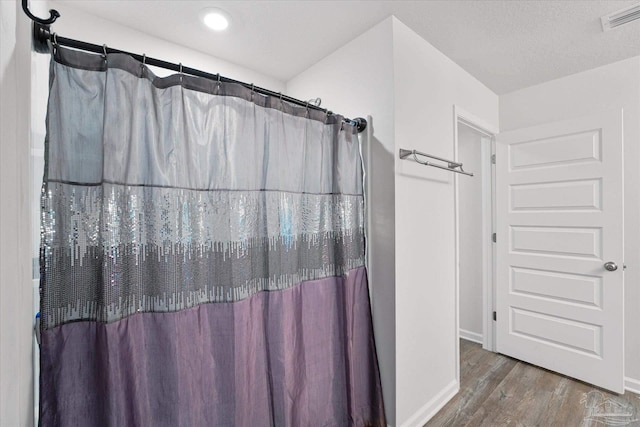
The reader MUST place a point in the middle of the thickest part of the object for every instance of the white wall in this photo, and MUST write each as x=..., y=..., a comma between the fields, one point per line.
x=471, y=223
x=16, y=405
x=427, y=86
x=356, y=81
x=612, y=86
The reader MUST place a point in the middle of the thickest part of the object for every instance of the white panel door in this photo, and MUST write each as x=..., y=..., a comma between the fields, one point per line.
x=559, y=219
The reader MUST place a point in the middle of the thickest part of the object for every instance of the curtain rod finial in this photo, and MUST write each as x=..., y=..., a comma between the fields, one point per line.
x=53, y=15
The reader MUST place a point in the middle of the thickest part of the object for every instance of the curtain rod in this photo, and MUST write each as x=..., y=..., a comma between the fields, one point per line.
x=42, y=34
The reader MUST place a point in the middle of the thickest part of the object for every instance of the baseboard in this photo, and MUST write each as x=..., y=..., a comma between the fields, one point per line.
x=471, y=336
x=424, y=414
x=632, y=385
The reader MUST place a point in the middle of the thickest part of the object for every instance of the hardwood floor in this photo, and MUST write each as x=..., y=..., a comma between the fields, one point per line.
x=496, y=390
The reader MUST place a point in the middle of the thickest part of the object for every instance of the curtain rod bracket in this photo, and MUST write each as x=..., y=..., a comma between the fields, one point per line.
x=53, y=15
x=40, y=36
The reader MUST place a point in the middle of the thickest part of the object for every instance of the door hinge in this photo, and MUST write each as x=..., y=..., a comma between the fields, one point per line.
x=493, y=159
x=495, y=316
x=494, y=237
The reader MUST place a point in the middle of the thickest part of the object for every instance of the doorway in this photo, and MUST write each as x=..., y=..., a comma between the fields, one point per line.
x=555, y=201
x=559, y=272
x=474, y=201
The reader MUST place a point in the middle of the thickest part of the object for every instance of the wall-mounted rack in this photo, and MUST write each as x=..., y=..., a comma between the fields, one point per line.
x=451, y=165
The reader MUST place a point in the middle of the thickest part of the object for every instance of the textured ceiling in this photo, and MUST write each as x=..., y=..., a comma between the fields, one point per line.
x=506, y=44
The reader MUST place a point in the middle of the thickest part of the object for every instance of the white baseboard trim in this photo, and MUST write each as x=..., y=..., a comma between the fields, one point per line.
x=424, y=414
x=632, y=385
x=471, y=336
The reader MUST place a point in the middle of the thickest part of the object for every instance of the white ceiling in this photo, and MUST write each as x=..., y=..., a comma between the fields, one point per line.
x=506, y=44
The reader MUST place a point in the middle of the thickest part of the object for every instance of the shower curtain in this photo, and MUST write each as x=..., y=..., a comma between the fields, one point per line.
x=202, y=256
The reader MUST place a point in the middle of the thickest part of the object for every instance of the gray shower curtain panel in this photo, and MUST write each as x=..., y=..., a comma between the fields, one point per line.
x=202, y=256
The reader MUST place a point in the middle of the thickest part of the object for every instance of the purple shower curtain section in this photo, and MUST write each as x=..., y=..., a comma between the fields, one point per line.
x=297, y=357
x=202, y=258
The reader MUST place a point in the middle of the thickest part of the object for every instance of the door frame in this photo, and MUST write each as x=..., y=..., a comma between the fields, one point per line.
x=460, y=116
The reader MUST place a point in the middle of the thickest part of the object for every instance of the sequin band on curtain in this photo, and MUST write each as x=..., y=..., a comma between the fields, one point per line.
x=164, y=249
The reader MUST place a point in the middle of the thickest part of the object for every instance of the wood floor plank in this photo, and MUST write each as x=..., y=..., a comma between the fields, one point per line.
x=521, y=393
x=496, y=391
x=480, y=372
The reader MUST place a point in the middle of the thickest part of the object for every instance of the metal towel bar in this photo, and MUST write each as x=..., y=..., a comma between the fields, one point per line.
x=451, y=165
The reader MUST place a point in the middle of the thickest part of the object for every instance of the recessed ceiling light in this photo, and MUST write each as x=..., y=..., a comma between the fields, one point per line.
x=215, y=19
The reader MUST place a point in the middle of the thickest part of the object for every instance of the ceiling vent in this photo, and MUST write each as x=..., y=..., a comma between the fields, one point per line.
x=620, y=17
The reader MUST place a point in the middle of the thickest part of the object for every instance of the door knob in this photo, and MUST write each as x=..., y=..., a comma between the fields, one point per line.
x=610, y=266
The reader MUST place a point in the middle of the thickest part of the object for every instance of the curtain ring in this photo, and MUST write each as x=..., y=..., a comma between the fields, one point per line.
x=54, y=43
x=218, y=82
x=252, y=90
x=144, y=61
x=280, y=93
x=306, y=114
x=104, y=51
x=180, y=71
